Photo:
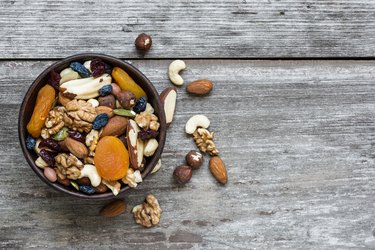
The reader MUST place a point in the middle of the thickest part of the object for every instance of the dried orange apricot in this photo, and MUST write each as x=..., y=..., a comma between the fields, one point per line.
x=111, y=158
x=43, y=104
x=126, y=82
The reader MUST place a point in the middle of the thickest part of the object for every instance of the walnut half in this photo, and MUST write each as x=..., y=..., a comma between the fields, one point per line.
x=148, y=213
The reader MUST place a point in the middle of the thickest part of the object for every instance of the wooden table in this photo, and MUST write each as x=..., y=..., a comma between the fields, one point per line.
x=292, y=107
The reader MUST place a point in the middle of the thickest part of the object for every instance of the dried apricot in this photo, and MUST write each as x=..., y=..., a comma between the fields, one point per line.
x=126, y=82
x=111, y=158
x=44, y=102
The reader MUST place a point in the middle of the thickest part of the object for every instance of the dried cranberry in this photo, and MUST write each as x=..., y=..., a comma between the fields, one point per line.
x=54, y=79
x=48, y=157
x=51, y=144
x=147, y=134
x=77, y=136
x=97, y=67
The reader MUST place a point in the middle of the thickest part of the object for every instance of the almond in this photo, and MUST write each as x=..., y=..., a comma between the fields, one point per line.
x=218, y=170
x=113, y=209
x=115, y=126
x=104, y=109
x=77, y=148
x=63, y=100
x=168, y=98
x=199, y=87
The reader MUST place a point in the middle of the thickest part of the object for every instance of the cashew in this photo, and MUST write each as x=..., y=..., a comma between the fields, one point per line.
x=157, y=167
x=91, y=172
x=174, y=68
x=41, y=163
x=196, y=121
x=94, y=102
x=150, y=147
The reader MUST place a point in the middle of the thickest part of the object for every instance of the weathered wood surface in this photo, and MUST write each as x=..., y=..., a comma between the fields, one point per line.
x=298, y=140
x=188, y=29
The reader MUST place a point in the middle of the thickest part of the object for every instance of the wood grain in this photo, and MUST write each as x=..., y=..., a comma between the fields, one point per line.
x=188, y=29
x=297, y=138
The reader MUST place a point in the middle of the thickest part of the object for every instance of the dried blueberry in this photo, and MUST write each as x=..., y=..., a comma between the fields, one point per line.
x=97, y=67
x=48, y=157
x=100, y=121
x=105, y=90
x=54, y=79
x=87, y=189
x=147, y=134
x=77, y=136
x=140, y=105
x=51, y=144
x=80, y=69
x=30, y=143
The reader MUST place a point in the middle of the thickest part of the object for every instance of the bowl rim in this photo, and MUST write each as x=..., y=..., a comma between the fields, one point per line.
x=22, y=131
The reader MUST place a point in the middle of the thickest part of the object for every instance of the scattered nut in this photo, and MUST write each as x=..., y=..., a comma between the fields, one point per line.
x=157, y=167
x=204, y=141
x=168, y=98
x=173, y=71
x=148, y=213
x=113, y=209
x=183, y=174
x=218, y=170
x=194, y=159
x=143, y=42
x=195, y=122
x=199, y=87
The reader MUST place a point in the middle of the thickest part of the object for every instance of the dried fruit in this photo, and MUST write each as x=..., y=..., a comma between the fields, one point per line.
x=107, y=101
x=194, y=159
x=97, y=67
x=143, y=42
x=140, y=105
x=100, y=121
x=183, y=174
x=43, y=104
x=126, y=82
x=61, y=135
x=126, y=99
x=113, y=209
x=48, y=157
x=54, y=79
x=111, y=158
x=50, y=174
x=77, y=136
x=218, y=170
x=30, y=142
x=105, y=90
x=124, y=112
x=199, y=87
x=147, y=134
x=168, y=98
x=115, y=126
x=87, y=189
x=80, y=69
x=51, y=144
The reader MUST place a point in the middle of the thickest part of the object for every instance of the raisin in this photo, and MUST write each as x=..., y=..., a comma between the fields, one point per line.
x=100, y=121
x=87, y=189
x=80, y=69
x=77, y=136
x=97, y=67
x=54, y=79
x=140, y=105
x=108, y=69
x=147, y=134
x=105, y=90
x=48, y=157
x=51, y=144
x=30, y=143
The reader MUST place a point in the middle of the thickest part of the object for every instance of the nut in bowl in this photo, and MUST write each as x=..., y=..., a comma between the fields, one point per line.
x=82, y=125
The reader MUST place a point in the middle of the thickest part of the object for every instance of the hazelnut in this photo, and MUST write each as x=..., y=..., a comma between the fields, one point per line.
x=182, y=174
x=143, y=42
x=126, y=99
x=108, y=101
x=194, y=159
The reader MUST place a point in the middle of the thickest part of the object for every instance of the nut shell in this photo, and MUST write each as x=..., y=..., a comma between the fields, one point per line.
x=194, y=159
x=183, y=174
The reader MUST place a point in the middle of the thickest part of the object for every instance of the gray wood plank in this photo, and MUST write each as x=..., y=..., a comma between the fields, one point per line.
x=188, y=29
x=298, y=140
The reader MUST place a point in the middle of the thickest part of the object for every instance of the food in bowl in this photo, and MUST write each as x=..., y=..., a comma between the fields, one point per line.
x=93, y=128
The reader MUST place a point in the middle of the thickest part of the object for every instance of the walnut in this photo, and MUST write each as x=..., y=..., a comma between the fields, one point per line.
x=115, y=186
x=204, y=140
x=53, y=123
x=132, y=178
x=147, y=121
x=148, y=213
x=68, y=166
x=80, y=115
x=92, y=139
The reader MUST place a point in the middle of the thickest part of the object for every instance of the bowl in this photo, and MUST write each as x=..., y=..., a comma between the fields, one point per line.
x=27, y=108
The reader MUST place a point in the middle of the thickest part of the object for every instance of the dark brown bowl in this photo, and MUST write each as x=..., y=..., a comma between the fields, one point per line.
x=28, y=103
